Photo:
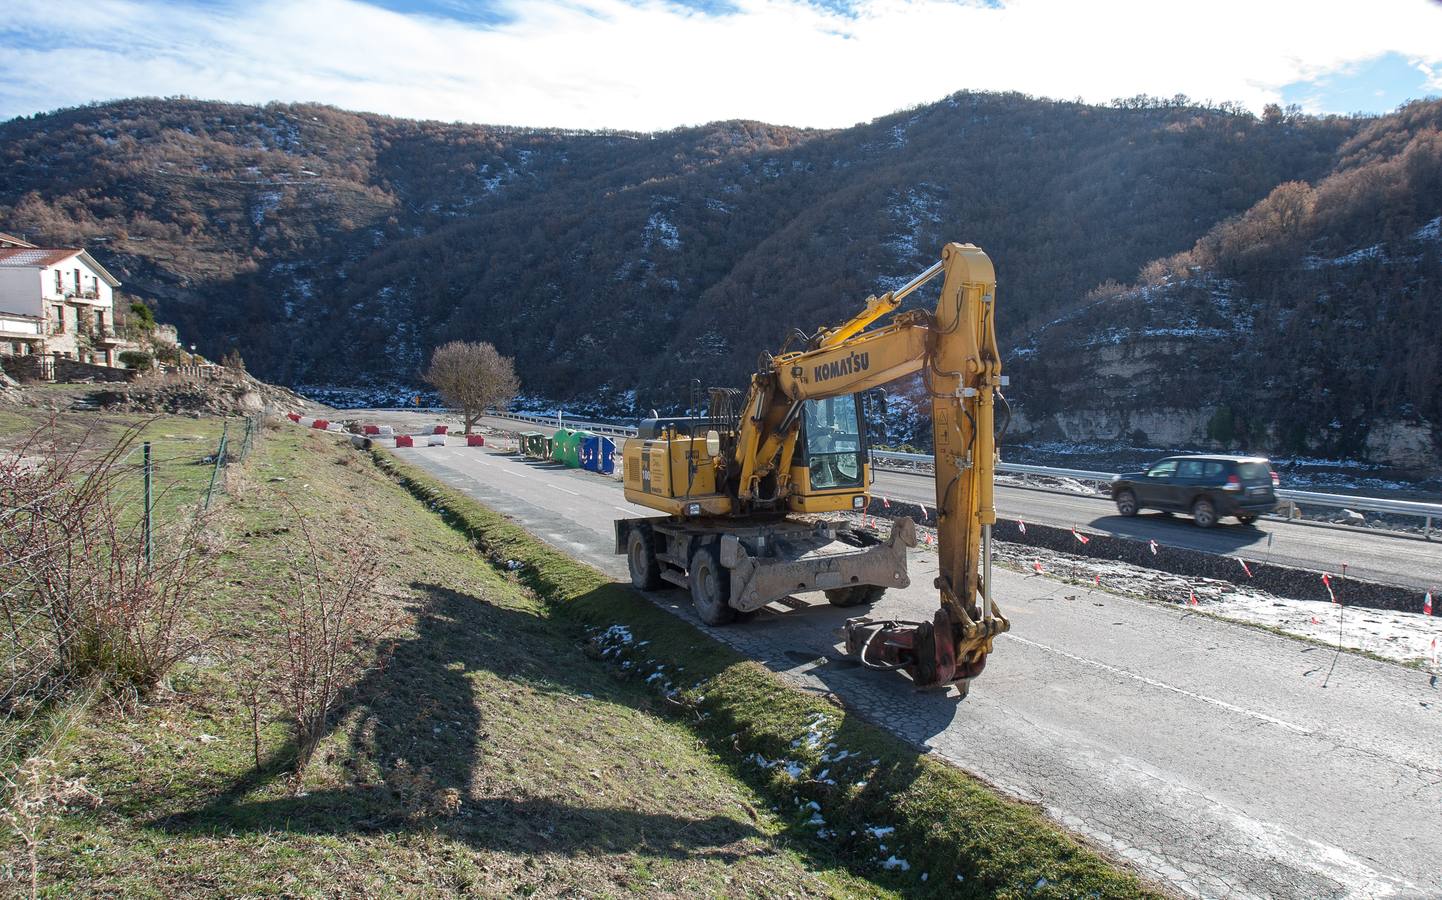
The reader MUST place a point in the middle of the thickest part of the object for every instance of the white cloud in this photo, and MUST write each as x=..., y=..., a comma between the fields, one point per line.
x=649, y=65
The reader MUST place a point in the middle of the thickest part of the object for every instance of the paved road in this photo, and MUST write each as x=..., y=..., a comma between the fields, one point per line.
x=1386, y=558
x=1209, y=755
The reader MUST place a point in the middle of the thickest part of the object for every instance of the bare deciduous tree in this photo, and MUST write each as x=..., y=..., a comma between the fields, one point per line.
x=472, y=376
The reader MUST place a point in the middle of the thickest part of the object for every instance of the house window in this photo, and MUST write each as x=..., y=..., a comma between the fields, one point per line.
x=100, y=320
x=59, y=286
x=77, y=281
x=59, y=318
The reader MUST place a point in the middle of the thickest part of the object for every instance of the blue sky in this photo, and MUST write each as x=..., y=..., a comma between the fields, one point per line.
x=654, y=64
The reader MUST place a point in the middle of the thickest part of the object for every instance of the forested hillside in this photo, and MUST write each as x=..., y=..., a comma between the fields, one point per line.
x=333, y=248
x=1311, y=323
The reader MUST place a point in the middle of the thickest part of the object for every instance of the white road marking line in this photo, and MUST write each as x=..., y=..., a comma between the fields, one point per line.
x=1161, y=684
x=629, y=512
x=567, y=490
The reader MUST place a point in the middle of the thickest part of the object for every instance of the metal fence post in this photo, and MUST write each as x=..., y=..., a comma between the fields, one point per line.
x=219, y=461
x=149, y=502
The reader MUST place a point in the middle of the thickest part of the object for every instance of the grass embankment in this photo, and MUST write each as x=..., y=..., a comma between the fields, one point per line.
x=489, y=756
x=853, y=793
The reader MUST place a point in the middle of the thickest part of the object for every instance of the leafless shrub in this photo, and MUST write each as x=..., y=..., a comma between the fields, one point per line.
x=80, y=600
x=331, y=635
x=33, y=791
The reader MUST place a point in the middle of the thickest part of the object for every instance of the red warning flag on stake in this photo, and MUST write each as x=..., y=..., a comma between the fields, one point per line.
x=1099, y=581
x=886, y=503
x=1193, y=600
x=923, y=510
x=1021, y=525
x=1315, y=621
x=1081, y=537
x=1427, y=608
x=1327, y=580
x=1244, y=566
x=1154, y=547
x=928, y=539
x=1037, y=566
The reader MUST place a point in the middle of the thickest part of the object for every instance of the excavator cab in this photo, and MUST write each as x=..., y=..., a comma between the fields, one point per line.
x=831, y=469
x=832, y=444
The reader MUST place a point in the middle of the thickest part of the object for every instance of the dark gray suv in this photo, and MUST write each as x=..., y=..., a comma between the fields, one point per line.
x=1208, y=487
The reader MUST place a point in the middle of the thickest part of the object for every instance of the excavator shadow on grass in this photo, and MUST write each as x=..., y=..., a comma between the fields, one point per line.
x=421, y=707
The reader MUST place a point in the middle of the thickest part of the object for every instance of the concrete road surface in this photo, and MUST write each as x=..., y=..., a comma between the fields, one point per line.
x=1219, y=759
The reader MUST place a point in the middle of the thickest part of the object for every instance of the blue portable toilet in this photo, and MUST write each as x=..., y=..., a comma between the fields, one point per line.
x=598, y=454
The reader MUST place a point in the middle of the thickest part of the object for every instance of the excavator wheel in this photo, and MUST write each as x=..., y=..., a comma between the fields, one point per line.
x=856, y=595
x=641, y=560
x=710, y=587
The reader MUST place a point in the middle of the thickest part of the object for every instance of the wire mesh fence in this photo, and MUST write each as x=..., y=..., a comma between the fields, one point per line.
x=104, y=541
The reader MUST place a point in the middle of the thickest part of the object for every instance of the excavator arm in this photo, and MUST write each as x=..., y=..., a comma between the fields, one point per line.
x=955, y=350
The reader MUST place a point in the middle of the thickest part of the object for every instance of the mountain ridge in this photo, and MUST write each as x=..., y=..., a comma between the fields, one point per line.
x=336, y=248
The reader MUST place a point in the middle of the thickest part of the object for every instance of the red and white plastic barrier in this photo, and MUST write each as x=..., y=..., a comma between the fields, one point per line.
x=475, y=440
x=404, y=440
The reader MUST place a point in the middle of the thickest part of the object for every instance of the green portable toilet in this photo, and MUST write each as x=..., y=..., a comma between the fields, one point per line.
x=533, y=444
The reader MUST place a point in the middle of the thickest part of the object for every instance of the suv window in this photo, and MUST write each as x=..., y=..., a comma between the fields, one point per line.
x=1164, y=469
x=1254, y=471
x=1190, y=468
x=1213, y=469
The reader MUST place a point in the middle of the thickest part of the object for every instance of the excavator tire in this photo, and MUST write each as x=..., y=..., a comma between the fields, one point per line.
x=710, y=586
x=641, y=560
x=856, y=595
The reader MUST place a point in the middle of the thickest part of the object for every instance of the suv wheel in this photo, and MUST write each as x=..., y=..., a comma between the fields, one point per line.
x=1127, y=503
x=1204, y=513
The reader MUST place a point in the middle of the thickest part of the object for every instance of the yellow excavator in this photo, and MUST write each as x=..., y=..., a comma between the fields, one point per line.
x=745, y=488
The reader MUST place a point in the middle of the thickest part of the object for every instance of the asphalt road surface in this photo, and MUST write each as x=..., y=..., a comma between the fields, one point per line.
x=1384, y=557
x=1217, y=759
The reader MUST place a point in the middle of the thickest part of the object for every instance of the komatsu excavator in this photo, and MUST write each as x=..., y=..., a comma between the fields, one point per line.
x=741, y=487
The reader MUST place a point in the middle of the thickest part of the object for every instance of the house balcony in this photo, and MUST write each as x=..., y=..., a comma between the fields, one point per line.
x=105, y=337
x=21, y=328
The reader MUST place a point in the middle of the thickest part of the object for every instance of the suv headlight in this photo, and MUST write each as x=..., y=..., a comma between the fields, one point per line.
x=858, y=502
x=693, y=509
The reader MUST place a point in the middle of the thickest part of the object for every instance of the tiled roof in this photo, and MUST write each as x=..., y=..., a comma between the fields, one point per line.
x=34, y=257
x=12, y=239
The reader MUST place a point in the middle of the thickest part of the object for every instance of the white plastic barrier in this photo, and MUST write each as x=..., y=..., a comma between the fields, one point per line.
x=435, y=440
x=306, y=421
x=334, y=426
x=387, y=431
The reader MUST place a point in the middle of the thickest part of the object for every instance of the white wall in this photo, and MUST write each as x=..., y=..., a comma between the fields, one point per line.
x=89, y=280
x=20, y=291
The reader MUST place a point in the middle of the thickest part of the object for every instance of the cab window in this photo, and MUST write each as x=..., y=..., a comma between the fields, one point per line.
x=833, y=442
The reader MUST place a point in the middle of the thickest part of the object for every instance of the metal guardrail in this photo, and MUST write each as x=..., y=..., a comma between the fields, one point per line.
x=1427, y=511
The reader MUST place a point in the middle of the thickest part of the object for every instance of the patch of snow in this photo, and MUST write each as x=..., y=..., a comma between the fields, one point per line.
x=880, y=831
x=659, y=230
x=892, y=862
x=1432, y=231
x=265, y=201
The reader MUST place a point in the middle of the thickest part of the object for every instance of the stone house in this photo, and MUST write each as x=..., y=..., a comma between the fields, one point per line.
x=58, y=302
